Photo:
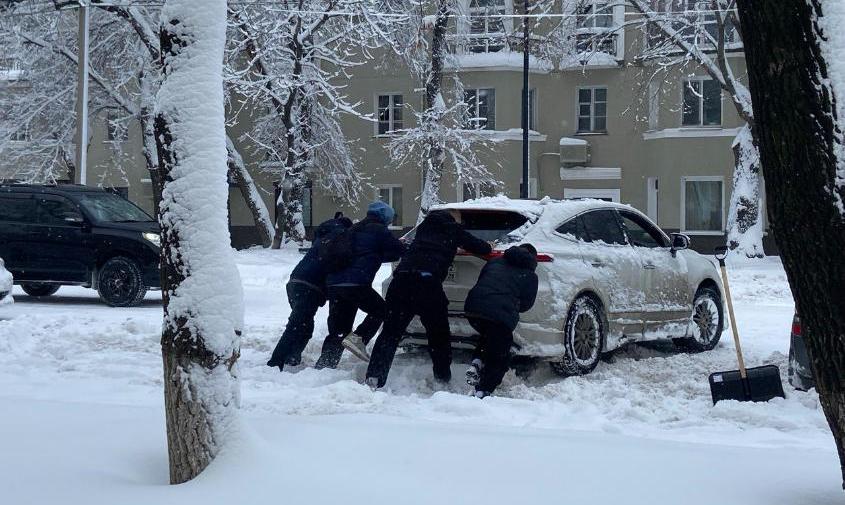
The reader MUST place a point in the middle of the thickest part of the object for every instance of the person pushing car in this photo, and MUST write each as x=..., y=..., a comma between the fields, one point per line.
x=417, y=289
x=506, y=287
x=306, y=291
x=354, y=257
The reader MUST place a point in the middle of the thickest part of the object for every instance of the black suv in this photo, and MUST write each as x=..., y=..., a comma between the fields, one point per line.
x=70, y=235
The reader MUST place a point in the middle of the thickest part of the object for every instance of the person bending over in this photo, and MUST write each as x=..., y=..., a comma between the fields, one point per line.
x=506, y=287
x=306, y=291
x=369, y=244
x=417, y=289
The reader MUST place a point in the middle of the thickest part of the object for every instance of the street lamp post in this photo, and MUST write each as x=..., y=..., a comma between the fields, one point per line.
x=523, y=189
x=81, y=87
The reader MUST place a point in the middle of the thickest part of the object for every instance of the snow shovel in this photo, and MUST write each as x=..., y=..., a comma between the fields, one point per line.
x=757, y=384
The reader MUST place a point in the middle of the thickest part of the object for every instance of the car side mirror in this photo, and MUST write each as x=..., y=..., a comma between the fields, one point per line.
x=679, y=242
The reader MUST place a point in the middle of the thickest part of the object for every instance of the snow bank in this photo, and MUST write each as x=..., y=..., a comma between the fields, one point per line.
x=501, y=59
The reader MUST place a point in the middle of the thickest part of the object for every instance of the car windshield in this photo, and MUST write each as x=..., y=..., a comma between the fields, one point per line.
x=109, y=208
x=488, y=225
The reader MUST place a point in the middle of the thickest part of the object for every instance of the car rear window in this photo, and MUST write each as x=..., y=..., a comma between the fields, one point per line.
x=17, y=208
x=488, y=225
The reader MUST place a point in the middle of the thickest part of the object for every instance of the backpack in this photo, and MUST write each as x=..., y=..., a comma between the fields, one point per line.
x=336, y=251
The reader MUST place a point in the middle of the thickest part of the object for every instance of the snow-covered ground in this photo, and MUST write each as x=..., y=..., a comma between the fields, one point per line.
x=82, y=418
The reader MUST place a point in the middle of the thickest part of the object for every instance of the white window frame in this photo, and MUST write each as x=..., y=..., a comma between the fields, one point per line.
x=592, y=130
x=392, y=203
x=701, y=178
x=701, y=124
x=532, y=111
x=653, y=199
x=613, y=194
x=474, y=113
x=392, y=120
x=465, y=27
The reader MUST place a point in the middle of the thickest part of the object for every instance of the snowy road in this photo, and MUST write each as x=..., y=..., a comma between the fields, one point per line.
x=79, y=377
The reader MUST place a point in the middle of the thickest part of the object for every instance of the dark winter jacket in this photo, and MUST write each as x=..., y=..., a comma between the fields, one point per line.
x=435, y=244
x=373, y=245
x=506, y=287
x=308, y=271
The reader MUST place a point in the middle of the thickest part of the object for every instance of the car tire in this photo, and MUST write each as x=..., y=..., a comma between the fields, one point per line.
x=708, y=321
x=583, y=338
x=40, y=290
x=120, y=282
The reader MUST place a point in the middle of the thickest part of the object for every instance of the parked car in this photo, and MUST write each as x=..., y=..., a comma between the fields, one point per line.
x=6, y=299
x=608, y=276
x=800, y=373
x=70, y=235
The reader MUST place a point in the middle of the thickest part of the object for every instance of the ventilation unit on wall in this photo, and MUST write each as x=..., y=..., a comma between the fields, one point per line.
x=574, y=152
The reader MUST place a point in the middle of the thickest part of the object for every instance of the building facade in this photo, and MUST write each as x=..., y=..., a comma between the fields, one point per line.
x=598, y=129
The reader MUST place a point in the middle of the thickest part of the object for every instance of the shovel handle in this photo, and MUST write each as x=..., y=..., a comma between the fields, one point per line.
x=734, y=329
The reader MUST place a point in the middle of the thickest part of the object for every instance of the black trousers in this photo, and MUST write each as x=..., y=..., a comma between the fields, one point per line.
x=304, y=301
x=344, y=303
x=494, y=351
x=409, y=295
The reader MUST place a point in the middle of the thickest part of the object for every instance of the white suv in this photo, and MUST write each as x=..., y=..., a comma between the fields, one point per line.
x=608, y=276
x=6, y=300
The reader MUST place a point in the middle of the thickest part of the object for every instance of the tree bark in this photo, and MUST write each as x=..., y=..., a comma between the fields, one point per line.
x=799, y=137
x=202, y=295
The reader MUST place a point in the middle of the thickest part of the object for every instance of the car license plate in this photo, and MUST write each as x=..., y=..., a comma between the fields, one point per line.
x=450, y=274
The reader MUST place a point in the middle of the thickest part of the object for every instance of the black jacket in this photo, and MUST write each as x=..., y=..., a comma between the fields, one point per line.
x=506, y=287
x=308, y=270
x=435, y=244
x=373, y=245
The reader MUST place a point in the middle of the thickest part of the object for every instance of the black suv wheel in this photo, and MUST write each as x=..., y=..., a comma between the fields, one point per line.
x=40, y=290
x=120, y=282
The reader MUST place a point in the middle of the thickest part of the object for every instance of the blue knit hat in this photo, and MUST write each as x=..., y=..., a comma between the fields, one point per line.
x=382, y=211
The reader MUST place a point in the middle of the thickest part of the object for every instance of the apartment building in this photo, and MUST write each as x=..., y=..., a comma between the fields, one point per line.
x=597, y=129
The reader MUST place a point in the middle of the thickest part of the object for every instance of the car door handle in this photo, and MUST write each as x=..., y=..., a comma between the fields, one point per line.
x=597, y=263
x=649, y=266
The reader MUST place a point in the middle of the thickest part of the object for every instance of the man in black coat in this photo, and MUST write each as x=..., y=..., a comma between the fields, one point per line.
x=351, y=288
x=417, y=289
x=506, y=287
x=306, y=293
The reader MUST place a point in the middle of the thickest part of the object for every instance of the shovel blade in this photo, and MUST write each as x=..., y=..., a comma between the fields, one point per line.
x=761, y=384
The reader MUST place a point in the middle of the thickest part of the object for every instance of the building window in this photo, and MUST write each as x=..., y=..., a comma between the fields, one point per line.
x=594, y=17
x=391, y=194
x=592, y=110
x=21, y=135
x=702, y=103
x=115, y=131
x=471, y=191
x=608, y=195
x=389, y=112
x=703, y=205
x=307, y=205
x=487, y=26
x=481, y=109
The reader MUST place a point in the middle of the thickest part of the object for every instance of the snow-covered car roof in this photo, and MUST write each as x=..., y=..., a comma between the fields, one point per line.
x=557, y=210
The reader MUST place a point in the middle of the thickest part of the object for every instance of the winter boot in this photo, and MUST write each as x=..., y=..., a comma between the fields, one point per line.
x=355, y=344
x=442, y=372
x=480, y=394
x=372, y=382
x=473, y=373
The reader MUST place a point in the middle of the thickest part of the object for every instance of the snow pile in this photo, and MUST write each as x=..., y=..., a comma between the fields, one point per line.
x=569, y=141
x=501, y=59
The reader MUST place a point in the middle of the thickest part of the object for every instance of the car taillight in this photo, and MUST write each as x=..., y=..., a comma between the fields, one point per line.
x=541, y=257
x=796, y=326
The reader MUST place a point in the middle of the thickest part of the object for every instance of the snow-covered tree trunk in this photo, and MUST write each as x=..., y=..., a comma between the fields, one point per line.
x=249, y=192
x=201, y=289
x=434, y=110
x=745, y=215
x=794, y=49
